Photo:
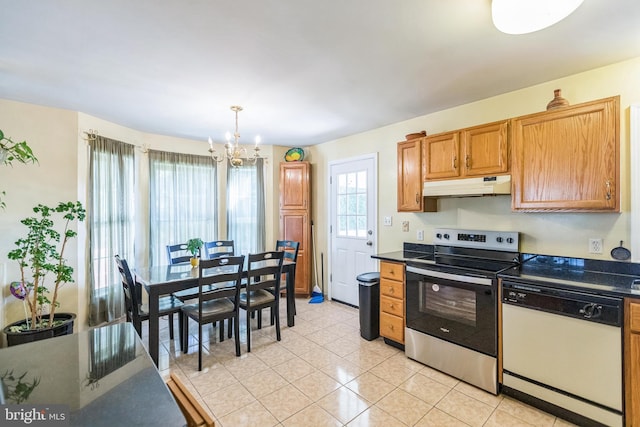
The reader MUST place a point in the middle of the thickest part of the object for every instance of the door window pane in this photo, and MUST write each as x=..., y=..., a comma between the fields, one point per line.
x=352, y=204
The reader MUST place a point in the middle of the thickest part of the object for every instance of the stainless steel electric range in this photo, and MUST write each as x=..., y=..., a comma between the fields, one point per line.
x=452, y=303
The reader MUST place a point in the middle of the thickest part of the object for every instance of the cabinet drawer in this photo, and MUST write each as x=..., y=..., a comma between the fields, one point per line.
x=634, y=317
x=391, y=306
x=392, y=288
x=390, y=270
x=392, y=327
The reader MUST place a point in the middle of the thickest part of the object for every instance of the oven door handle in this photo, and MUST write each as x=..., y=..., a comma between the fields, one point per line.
x=448, y=276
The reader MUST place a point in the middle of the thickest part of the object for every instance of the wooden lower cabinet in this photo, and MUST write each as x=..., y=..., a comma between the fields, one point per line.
x=632, y=361
x=392, y=320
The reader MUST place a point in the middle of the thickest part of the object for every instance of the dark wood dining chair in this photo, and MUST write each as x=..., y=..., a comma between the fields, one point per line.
x=218, y=248
x=138, y=312
x=219, y=282
x=264, y=272
x=177, y=254
x=290, y=249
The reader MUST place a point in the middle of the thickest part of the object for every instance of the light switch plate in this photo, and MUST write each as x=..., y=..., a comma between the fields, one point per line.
x=420, y=235
x=405, y=225
x=388, y=220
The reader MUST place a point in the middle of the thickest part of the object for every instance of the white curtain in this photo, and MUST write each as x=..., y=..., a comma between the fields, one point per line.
x=182, y=201
x=110, y=214
x=245, y=207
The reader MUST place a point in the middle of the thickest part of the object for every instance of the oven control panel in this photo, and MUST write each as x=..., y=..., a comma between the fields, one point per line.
x=493, y=240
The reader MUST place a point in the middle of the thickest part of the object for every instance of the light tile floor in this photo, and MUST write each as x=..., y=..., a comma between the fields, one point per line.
x=322, y=373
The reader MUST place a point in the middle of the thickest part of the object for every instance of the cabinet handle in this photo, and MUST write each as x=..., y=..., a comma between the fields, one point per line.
x=391, y=327
x=390, y=289
x=391, y=306
x=455, y=160
x=608, y=185
x=466, y=162
x=417, y=198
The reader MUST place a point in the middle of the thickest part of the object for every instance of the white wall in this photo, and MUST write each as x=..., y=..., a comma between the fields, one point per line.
x=550, y=233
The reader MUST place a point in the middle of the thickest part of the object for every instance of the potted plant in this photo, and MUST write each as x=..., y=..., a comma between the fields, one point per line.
x=193, y=246
x=40, y=255
x=11, y=151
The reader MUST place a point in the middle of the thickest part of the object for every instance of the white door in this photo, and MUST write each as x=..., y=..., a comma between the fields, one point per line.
x=353, y=220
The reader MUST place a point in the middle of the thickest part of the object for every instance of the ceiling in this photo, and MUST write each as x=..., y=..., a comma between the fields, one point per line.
x=306, y=72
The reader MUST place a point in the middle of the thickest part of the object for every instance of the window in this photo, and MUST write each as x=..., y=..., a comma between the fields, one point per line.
x=111, y=224
x=182, y=201
x=245, y=207
x=352, y=204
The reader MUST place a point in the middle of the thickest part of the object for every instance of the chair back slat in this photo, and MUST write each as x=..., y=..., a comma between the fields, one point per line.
x=264, y=270
x=219, y=278
x=177, y=254
x=132, y=290
x=218, y=248
x=289, y=247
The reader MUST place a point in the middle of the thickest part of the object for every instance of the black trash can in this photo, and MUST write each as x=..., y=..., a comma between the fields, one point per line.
x=369, y=293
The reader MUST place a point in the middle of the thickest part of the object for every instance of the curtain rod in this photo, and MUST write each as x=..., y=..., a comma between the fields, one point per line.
x=92, y=135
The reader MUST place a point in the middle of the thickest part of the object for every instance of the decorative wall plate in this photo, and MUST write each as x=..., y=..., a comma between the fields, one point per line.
x=294, y=155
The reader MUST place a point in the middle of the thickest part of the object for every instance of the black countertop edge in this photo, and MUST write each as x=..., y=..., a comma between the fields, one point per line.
x=615, y=290
x=602, y=277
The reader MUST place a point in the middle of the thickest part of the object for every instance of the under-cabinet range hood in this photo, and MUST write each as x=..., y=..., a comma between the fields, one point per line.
x=466, y=187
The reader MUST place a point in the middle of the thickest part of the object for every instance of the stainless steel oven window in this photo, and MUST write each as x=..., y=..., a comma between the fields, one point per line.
x=448, y=302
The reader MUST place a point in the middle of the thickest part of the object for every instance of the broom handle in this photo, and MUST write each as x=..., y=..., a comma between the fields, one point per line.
x=313, y=244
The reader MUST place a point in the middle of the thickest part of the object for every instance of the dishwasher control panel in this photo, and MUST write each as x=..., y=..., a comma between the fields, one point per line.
x=579, y=305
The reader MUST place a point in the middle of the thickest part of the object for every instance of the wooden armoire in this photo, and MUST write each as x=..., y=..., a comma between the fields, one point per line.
x=295, y=218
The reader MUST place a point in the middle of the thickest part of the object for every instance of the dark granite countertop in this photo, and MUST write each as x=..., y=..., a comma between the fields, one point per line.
x=616, y=278
x=102, y=377
x=409, y=252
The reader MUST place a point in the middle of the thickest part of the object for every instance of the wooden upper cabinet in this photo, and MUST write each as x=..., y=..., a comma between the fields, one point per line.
x=476, y=151
x=485, y=149
x=441, y=154
x=410, y=180
x=294, y=185
x=568, y=159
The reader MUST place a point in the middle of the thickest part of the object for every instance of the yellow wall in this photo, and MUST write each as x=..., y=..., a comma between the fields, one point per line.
x=549, y=233
x=56, y=137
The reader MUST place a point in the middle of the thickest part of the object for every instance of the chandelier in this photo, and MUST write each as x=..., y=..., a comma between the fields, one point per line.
x=232, y=149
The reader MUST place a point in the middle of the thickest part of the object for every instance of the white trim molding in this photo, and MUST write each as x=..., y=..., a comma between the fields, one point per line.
x=634, y=164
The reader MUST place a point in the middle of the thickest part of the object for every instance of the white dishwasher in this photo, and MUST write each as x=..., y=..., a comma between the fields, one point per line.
x=563, y=348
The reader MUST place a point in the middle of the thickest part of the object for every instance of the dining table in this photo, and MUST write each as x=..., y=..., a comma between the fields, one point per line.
x=160, y=280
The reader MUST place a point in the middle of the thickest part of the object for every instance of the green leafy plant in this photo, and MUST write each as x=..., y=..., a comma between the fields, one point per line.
x=40, y=255
x=194, y=245
x=11, y=151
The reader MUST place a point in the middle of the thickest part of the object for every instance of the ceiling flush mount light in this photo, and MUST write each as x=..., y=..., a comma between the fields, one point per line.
x=527, y=16
x=236, y=154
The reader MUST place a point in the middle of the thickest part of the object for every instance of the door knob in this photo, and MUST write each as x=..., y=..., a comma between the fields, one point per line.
x=369, y=243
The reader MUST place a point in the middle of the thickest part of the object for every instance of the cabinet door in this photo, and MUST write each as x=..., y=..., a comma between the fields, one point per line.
x=441, y=155
x=485, y=149
x=410, y=176
x=567, y=159
x=294, y=226
x=632, y=361
x=294, y=182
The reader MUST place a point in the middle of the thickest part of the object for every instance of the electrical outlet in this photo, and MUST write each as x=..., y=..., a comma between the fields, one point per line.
x=595, y=246
x=387, y=220
x=420, y=235
x=405, y=225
